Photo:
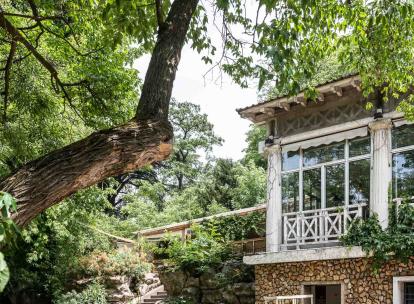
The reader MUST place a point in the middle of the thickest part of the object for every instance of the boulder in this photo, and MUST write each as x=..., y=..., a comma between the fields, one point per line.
x=117, y=289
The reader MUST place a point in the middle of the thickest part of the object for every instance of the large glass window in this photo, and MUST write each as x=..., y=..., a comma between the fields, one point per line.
x=326, y=176
x=290, y=195
x=359, y=181
x=403, y=162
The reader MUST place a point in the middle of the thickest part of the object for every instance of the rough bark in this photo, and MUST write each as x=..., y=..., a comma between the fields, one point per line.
x=158, y=84
x=53, y=177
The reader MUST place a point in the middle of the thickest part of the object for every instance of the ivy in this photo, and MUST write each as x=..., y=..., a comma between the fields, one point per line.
x=393, y=243
x=236, y=227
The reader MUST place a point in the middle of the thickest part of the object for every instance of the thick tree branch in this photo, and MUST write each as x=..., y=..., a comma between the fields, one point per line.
x=48, y=180
x=158, y=83
x=160, y=16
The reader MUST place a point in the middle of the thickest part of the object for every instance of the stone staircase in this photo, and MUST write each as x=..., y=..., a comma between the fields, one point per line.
x=156, y=296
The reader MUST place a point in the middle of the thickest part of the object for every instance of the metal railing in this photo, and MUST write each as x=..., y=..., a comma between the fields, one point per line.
x=318, y=226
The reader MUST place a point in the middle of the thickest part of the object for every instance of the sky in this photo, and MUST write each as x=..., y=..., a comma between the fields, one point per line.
x=218, y=99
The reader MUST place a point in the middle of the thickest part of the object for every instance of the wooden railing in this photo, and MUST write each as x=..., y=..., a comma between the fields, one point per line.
x=318, y=226
x=250, y=246
x=298, y=299
x=398, y=201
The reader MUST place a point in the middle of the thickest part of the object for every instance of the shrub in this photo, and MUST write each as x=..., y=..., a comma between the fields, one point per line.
x=100, y=264
x=93, y=294
x=206, y=249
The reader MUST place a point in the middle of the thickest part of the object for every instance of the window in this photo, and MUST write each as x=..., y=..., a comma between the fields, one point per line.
x=403, y=162
x=403, y=290
x=409, y=293
x=326, y=176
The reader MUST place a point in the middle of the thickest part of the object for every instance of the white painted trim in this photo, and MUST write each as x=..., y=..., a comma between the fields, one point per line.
x=336, y=128
x=398, y=288
x=304, y=255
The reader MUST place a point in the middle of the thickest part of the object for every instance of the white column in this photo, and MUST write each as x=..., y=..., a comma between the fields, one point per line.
x=380, y=168
x=274, y=198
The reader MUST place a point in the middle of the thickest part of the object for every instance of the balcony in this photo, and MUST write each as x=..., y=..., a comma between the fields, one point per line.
x=318, y=228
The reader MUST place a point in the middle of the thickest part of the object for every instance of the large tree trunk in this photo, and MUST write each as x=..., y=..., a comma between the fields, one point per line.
x=49, y=179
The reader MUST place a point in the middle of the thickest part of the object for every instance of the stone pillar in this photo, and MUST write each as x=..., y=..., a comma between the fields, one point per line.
x=380, y=168
x=274, y=198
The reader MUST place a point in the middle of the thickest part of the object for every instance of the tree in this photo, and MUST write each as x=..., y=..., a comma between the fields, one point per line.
x=193, y=134
x=253, y=137
x=374, y=39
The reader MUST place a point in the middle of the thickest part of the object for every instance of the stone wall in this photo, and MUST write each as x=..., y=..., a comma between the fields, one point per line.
x=359, y=282
x=231, y=283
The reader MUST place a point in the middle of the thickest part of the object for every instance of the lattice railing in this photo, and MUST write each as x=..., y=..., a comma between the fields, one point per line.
x=318, y=226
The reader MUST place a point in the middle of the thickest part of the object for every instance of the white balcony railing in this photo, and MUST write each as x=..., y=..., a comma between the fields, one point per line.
x=318, y=226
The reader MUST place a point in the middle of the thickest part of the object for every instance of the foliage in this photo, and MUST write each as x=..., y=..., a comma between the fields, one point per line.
x=394, y=243
x=205, y=250
x=179, y=300
x=52, y=245
x=100, y=264
x=193, y=133
x=236, y=227
x=94, y=293
x=255, y=135
x=8, y=231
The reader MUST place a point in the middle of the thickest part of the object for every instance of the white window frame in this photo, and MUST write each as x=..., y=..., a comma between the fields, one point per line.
x=322, y=166
x=398, y=288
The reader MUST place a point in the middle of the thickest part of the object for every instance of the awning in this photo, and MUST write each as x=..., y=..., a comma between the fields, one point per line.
x=326, y=140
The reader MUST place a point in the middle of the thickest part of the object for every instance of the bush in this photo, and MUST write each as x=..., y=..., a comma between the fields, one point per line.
x=206, y=249
x=100, y=264
x=93, y=294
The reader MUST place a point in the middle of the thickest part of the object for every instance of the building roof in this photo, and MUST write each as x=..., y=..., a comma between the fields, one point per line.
x=282, y=104
x=187, y=224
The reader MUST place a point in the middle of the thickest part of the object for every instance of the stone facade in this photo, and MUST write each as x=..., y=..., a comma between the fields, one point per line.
x=231, y=283
x=360, y=284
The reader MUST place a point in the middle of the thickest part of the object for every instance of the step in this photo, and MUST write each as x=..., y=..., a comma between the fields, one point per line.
x=158, y=297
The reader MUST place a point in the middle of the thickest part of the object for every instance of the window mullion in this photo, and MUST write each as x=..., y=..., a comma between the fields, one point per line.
x=300, y=180
x=346, y=172
x=323, y=187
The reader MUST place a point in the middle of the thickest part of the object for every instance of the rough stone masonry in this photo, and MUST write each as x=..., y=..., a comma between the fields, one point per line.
x=360, y=282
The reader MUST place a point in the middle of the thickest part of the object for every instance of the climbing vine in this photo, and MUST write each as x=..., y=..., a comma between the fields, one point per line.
x=236, y=227
x=393, y=243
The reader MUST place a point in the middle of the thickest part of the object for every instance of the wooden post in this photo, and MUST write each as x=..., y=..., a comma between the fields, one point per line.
x=274, y=198
x=380, y=168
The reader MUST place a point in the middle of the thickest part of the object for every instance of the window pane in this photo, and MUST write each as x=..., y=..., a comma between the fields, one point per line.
x=335, y=185
x=409, y=293
x=312, y=189
x=290, y=192
x=359, y=181
x=290, y=160
x=323, y=154
x=403, y=136
x=359, y=146
x=403, y=174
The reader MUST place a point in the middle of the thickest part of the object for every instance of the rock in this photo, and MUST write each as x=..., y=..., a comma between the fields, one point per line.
x=208, y=280
x=174, y=281
x=118, y=291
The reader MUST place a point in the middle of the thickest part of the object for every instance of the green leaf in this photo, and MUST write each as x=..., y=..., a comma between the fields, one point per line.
x=4, y=273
